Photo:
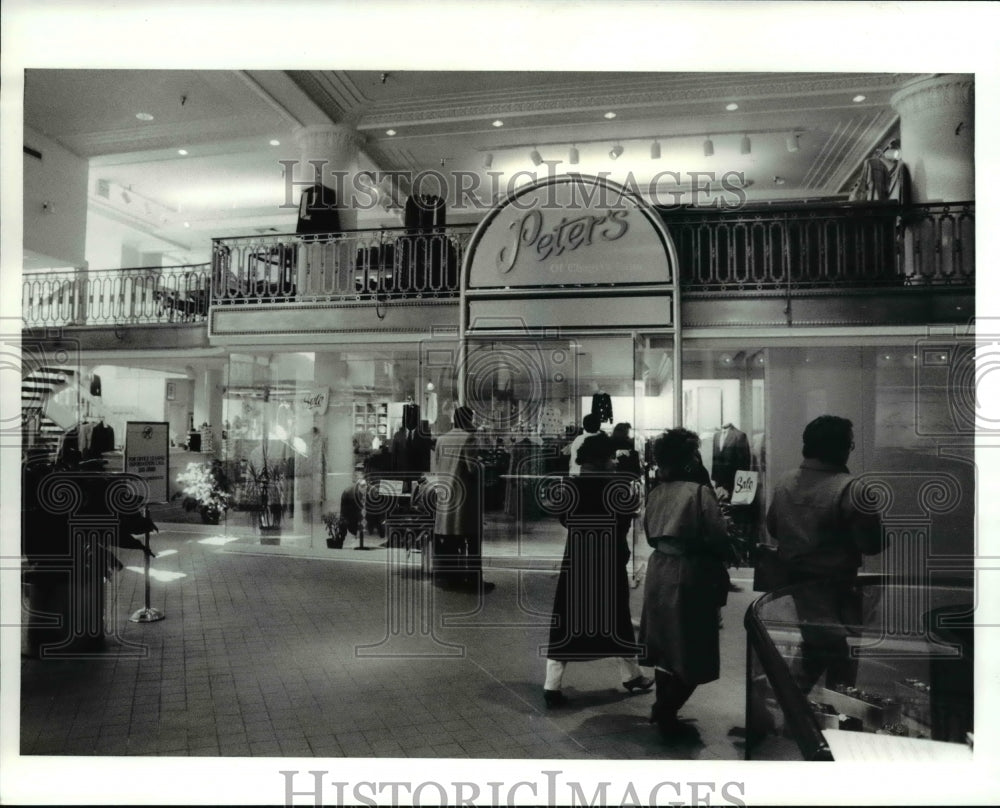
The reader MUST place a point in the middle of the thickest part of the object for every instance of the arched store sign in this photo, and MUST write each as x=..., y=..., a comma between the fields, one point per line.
x=577, y=253
x=570, y=254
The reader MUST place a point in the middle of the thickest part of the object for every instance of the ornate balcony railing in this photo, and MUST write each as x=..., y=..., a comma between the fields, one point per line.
x=755, y=252
x=360, y=265
x=809, y=247
x=135, y=296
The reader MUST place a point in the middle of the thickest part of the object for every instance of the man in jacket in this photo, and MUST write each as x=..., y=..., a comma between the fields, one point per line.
x=458, y=554
x=821, y=534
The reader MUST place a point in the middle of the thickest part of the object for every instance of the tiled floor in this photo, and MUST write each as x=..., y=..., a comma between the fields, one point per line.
x=284, y=651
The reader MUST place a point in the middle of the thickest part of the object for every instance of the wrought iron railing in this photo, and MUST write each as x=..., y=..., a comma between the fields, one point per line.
x=760, y=251
x=809, y=247
x=135, y=296
x=360, y=265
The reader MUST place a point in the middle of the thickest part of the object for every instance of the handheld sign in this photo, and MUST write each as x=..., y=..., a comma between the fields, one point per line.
x=744, y=488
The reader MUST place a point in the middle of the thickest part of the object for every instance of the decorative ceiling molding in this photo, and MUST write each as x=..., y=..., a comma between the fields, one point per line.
x=619, y=93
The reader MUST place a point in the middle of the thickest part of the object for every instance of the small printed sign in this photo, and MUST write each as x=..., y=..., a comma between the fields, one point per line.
x=744, y=488
x=147, y=455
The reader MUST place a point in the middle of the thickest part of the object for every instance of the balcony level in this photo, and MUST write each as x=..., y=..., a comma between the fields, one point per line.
x=798, y=265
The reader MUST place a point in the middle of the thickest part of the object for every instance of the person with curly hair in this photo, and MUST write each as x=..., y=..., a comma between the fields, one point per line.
x=686, y=578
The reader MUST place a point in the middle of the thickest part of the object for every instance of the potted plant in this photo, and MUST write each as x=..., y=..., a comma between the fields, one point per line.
x=206, y=489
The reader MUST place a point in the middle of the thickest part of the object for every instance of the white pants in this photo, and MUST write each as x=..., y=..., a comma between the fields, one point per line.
x=554, y=670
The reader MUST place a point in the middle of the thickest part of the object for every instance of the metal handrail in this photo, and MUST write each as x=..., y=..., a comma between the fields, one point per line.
x=770, y=249
x=755, y=251
x=360, y=265
x=130, y=296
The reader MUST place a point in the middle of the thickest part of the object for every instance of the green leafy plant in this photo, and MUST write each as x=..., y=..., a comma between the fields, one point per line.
x=206, y=489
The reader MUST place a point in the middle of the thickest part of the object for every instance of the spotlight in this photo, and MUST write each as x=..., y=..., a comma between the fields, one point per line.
x=654, y=150
x=792, y=143
x=536, y=158
x=708, y=147
x=745, y=144
x=488, y=161
x=616, y=151
x=574, y=155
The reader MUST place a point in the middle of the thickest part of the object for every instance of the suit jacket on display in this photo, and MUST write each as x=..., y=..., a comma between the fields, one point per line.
x=730, y=453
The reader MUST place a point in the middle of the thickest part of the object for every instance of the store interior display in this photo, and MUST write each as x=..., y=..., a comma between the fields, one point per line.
x=914, y=683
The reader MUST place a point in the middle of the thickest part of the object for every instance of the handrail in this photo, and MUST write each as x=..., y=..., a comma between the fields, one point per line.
x=790, y=249
x=359, y=265
x=754, y=251
x=130, y=296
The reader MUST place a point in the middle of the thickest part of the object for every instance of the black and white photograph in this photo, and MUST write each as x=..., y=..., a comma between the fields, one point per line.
x=499, y=404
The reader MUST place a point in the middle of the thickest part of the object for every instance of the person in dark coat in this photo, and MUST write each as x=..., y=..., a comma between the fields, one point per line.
x=686, y=579
x=591, y=618
x=821, y=534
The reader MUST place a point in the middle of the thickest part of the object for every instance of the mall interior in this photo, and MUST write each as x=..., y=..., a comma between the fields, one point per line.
x=291, y=279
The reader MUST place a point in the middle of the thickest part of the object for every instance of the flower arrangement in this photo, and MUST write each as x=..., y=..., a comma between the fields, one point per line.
x=205, y=488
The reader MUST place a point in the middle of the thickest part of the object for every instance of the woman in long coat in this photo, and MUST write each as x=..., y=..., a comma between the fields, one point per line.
x=591, y=618
x=686, y=578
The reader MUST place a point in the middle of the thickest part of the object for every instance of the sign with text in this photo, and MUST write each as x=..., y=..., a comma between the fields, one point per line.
x=568, y=231
x=744, y=488
x=315, y=400
x=147, y=455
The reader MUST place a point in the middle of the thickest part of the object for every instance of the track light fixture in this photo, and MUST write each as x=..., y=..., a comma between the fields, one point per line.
x=792, y=142
x=536, y=158
x=654, y=150
x=574, y=155
x=708, y=147
x=488, y=160
x=745, y=144
x=616, y=151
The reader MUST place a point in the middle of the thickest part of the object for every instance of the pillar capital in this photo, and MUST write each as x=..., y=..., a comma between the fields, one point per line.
x=338, y=145
x=933, y=93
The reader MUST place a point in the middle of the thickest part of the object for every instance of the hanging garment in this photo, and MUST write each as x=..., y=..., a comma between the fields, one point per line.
x=601, y=406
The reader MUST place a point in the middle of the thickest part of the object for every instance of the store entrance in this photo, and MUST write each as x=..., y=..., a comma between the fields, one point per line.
x=530, y=398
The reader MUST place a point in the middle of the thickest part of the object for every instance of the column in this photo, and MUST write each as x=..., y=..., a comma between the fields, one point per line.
x=208, y=405
x=936, y=134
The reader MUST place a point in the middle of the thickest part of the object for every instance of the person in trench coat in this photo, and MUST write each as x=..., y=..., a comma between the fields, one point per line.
x=686, y=579
x=591, y=618
x=458, y=517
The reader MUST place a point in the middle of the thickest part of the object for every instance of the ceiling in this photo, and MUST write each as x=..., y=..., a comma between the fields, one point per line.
x=231, y=181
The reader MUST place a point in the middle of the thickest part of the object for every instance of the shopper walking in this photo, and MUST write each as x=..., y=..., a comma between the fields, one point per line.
x=458, y=519
x=686, y=579
x=821, y=536
x=591, y=618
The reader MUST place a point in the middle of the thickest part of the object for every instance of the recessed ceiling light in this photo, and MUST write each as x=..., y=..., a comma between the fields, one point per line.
x=498, y=123
x=143, y=116
x=610, y=115
x=390, y=132
x=182, y=152
x=187, y=224
x=732, y=106
x=858, y=98
x=275, y=142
